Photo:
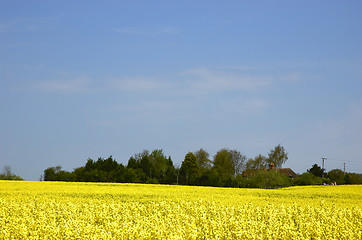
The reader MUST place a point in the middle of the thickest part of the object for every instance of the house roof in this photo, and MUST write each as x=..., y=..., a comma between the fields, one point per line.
x=286, y=171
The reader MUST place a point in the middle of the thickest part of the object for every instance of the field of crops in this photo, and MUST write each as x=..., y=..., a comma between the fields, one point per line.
x=55, y=210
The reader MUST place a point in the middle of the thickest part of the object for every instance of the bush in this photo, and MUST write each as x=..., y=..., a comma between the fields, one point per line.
x=354, y=178
x=308, y=178
x=268, y=179
x=336, y=175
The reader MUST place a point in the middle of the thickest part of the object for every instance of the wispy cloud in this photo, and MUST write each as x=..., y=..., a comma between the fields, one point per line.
x=141, y=84
x=206, y=80
x=242, y=106
x=201, y=81
x=76, y=85
x=168, y=96
x=26, y=24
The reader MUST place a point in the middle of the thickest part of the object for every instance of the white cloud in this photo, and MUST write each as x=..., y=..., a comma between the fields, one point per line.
x=80, y=84
x=141, y=84
x=199, y=81
x=242, y=106
x=205, y=80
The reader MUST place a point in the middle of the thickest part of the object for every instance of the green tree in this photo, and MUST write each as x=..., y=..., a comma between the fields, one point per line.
x=259, y=162
x=347, y=179
x=154, y=167
x=210, y=177
x=267, y=179
x=203, y=159
x=57, y=174
x=102, y=170
x=159, y=163
x=8, y=175
x=336, y=175
x=189, y=171
x=278, y=156
x=308, y=178
x=316, y=170
x=355, y=178
x=223, y=164
x=229, y=163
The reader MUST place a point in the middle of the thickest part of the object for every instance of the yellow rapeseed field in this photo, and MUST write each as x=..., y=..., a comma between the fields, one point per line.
x=57, y=210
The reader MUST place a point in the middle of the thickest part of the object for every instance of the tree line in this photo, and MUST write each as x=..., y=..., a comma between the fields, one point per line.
x=224, y=170
x=8, y=175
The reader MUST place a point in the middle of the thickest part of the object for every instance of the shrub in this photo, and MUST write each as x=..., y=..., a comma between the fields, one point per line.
x=308, y=178
x=268, y=179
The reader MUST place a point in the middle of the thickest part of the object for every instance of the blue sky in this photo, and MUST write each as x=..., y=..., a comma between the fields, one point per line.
x=89, y=79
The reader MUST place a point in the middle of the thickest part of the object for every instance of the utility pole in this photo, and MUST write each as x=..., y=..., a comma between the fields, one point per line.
x=323, y=158
x=344, y=168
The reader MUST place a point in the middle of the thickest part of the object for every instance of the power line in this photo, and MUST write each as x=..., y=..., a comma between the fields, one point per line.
x=344, y=160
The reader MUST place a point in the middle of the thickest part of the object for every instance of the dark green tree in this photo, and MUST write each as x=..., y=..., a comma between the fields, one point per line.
x=316, y=170
x=347, y=179
x=189, y=171
x=102, y=170
x=210, y=177
x=57, y=174
x=160, y=164
x=153, y=167
x=223, y=164
x=355, y=178
x=336, y=175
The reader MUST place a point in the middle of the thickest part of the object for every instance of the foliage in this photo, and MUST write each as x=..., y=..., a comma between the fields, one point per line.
x=57, y=174
x=307, y=179
x=8, y=175
x=354, y=178
x=56, y=210
x=259, y=162
x=316, y=170
x=203, y=159
x=229, y=163
x=153, y=167
x=229, y=168
x=278, y=156
x=268, y=179
x=336, y=175
x=190, y=169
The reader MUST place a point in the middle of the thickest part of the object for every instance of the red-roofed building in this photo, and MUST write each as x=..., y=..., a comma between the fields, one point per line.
x=286, y=171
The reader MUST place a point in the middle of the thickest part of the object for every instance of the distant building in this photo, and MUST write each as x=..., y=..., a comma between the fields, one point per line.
x=286, y=171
